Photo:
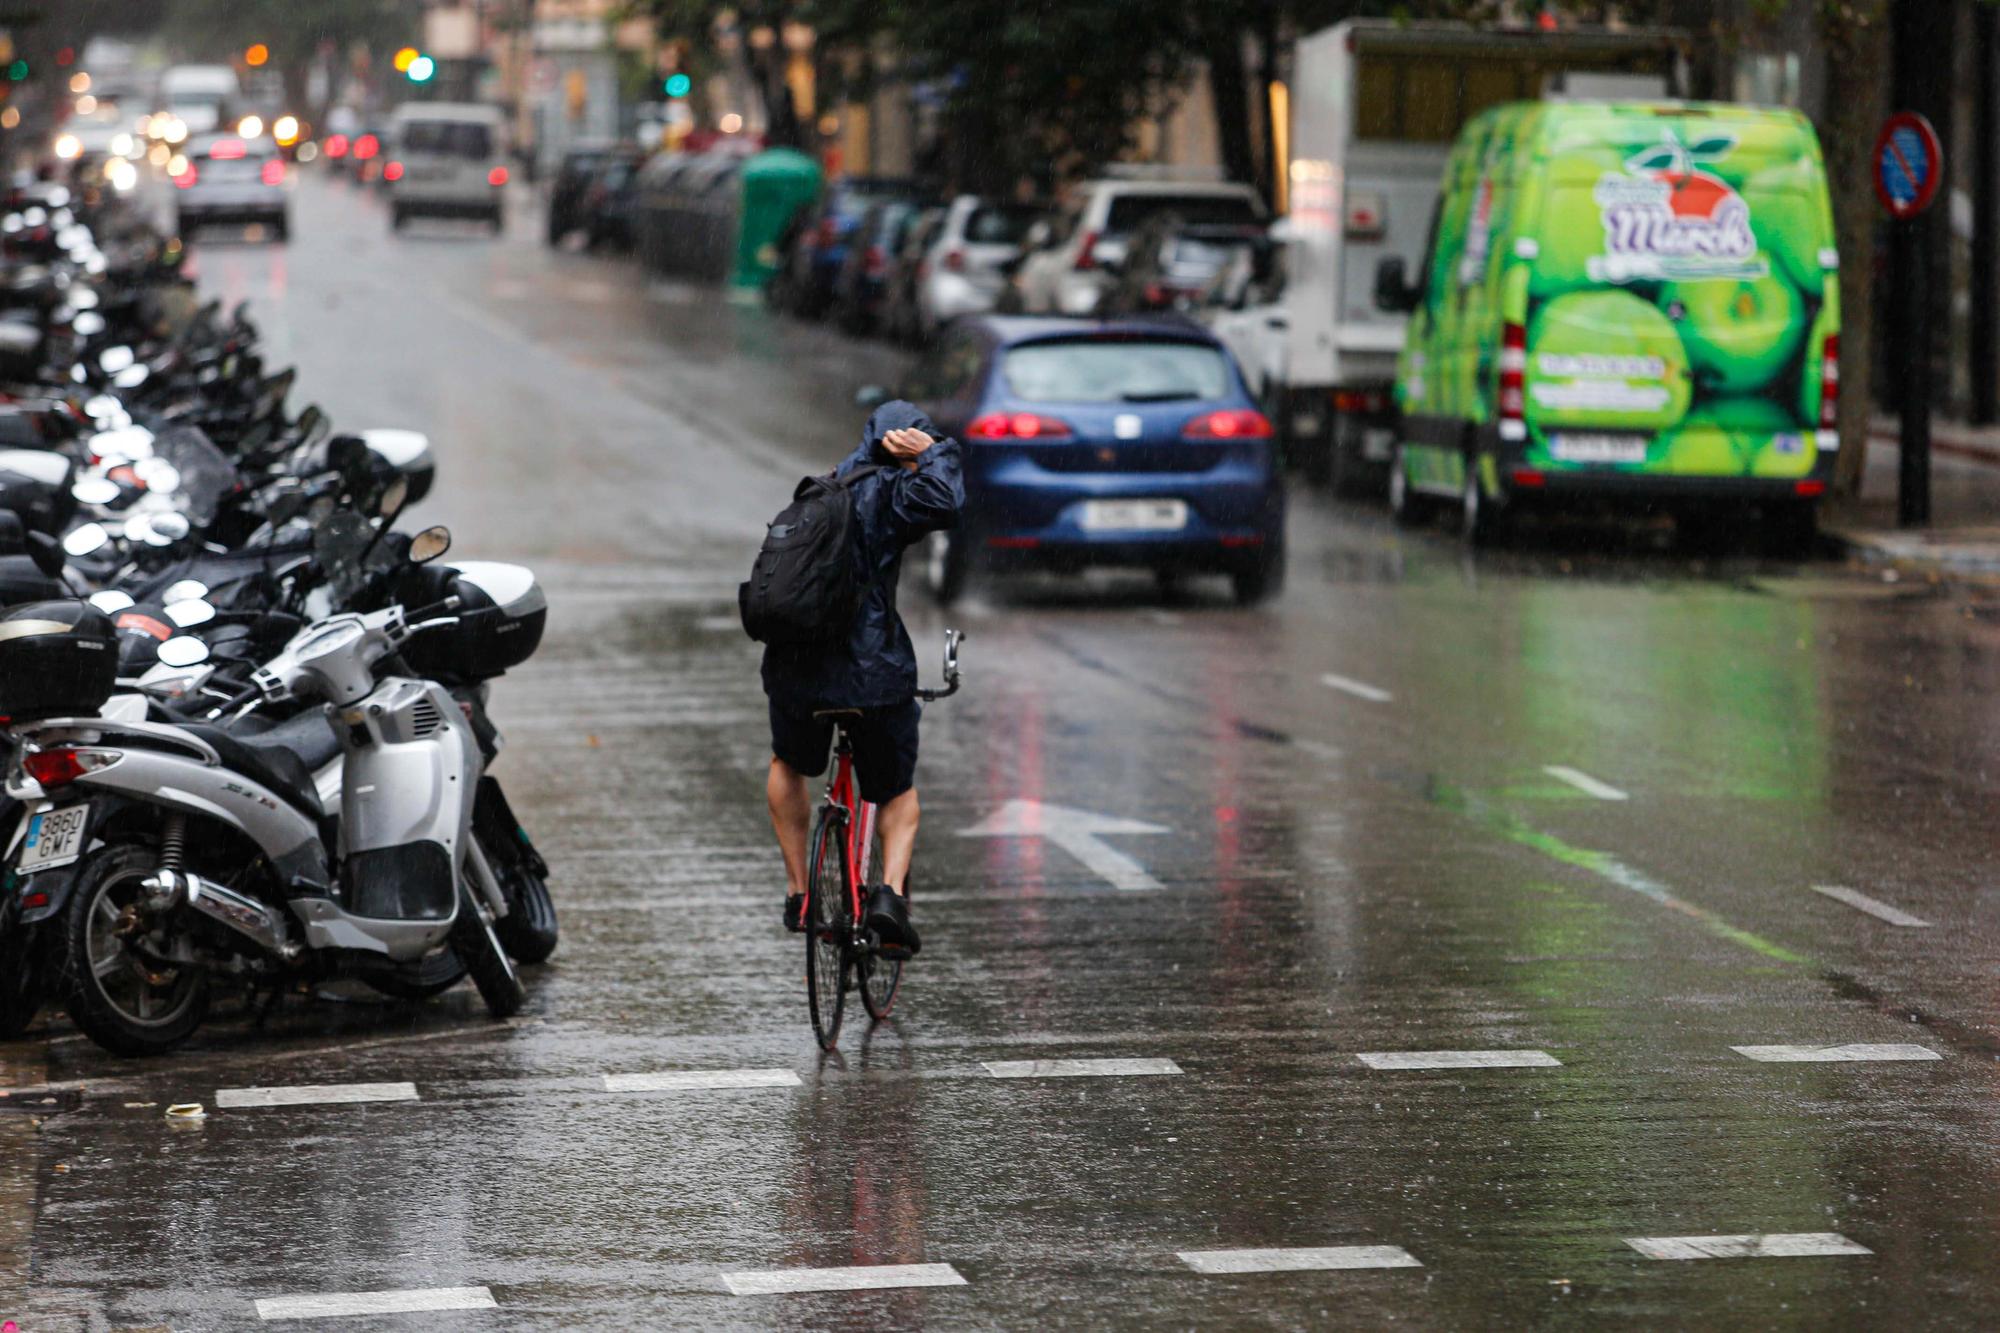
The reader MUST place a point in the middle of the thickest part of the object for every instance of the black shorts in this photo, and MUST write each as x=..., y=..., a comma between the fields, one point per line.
x=885, y=745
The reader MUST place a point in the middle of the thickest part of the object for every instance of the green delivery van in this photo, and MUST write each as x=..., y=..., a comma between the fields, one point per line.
x=1626, y=304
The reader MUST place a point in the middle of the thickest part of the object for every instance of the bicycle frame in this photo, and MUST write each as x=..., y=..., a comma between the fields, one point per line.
x=858, y=819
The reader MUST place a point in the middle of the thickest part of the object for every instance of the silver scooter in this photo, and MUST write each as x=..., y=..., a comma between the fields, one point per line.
x=195, y=855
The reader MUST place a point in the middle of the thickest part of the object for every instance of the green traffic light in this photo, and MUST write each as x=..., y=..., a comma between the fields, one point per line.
x=677, y=85
x=18, y=70
x=421, y=69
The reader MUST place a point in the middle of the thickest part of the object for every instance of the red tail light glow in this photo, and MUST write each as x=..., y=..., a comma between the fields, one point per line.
x=1017, y=426
x=497, y=176
x=60, y=767
x=1514, y=384
x=273, y=172
x=392, y=171
x=187, y=177
x=367, y=146
x=1809, y=490
x=1829, y=383
x=1528, y=478
x=1231, y=423
x=226, y=149
x=1086, y=257
x=1360, y=402
x=335, y=145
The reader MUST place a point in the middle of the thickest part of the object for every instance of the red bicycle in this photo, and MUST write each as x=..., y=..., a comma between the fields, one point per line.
x=842, y=954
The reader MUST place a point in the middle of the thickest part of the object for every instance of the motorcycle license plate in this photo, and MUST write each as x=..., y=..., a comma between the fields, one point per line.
x=55, y=838
x=1134, y=515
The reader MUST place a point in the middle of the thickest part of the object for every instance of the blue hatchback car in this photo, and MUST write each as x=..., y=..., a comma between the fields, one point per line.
x=1129, y=442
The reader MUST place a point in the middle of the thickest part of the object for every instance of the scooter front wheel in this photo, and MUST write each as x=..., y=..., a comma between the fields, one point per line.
x=473, y=940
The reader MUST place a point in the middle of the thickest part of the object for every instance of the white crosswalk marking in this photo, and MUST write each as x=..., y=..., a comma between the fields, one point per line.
x=1359, y=689
x=1299, y=1260
x=1776, y=1245
x=334, y=1305
x=683, y=1080
x=320, y=1094
x=1077, y=1068
x=1585, y=783
x=1837, y=1054
x=869, y=1277
x=1459, y=1060
x=1875, y=907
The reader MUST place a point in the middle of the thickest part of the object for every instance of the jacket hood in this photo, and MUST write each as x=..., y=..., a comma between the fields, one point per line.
x=894, y=415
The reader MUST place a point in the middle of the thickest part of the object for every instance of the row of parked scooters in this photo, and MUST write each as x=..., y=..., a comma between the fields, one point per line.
x=243, y=718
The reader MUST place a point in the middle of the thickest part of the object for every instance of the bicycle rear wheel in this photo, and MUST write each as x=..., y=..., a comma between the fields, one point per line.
x=880, y=977
x=828, y=909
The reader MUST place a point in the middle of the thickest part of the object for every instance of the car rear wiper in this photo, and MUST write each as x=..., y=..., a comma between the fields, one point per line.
x=1160, y=396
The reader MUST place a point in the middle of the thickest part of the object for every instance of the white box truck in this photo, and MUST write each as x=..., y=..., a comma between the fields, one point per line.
x=1376, y=105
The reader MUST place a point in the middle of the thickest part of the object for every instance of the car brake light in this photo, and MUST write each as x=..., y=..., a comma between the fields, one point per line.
x=335, y=145
x=392, y=171
x=187, y=177
x=497, y=176
x=955, y=260
x=226, y=149
x=1514, y=383
x=1086, y=257
x=59, y=767
x=273, y=172
x=367, y=146
x=1528, y=478
x=1231, y=423
x=1017, y=426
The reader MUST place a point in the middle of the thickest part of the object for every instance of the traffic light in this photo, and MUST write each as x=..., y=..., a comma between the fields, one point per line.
x=421, y=69
x=404, y=58
x=18, y=70
x=677, y=85
x=256, y=54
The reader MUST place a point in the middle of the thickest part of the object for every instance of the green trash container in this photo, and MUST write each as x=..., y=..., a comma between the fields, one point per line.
x=776, y=184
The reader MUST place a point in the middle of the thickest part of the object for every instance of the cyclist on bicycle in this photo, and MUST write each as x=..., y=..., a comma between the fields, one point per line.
x=872, y=677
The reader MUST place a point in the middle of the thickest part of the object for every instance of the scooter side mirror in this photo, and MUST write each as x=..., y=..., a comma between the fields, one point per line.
x=429, y=544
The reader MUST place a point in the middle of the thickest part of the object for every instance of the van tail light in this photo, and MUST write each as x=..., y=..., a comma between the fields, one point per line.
x=497, y=176
x=875, y=261
x=1231, y=423
x=1017, y=426
x=1808, y=490
x=1360, y=402
x=273, y=172
x=1086, y=257
x=1514, y=383
x=188, y=177
x=392, y=171
x=954, y=260
x=1829, y=382
x=60, y=767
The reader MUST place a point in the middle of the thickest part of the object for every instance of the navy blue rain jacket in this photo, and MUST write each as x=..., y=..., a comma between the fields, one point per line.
x=893, y=509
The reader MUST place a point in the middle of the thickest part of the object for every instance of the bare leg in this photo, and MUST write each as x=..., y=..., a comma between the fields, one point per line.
x=897, y=822
x=791, y=811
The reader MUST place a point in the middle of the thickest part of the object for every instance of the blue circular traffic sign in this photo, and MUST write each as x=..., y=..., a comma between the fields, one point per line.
x=1909, y=164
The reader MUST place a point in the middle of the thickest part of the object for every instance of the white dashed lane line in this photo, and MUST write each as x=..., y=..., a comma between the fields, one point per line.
x=1875, y=907
x=1359, y=689
x=339, y=1304
x=325, y=1094
x=1107, y=1068
x=870, y=1277
x=1776, y=1245
x=1458, y=1060
x=1585, y=783
x=683, y=1080
x=1837, y=1054
x=1299, y=1260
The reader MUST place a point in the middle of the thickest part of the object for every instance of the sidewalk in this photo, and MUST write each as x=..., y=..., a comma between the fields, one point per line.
x=1963, y=538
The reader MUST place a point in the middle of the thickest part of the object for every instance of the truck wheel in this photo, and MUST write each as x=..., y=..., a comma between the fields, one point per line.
x=1480, y=522
x=1406, y=506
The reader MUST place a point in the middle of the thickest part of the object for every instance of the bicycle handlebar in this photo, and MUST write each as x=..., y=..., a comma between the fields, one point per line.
x=952, y=639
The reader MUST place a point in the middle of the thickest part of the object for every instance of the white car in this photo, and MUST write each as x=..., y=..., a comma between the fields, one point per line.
x=1072, y=262
x=1245, y=309
x=228, y=178
x=963, y=271
x=446, y=159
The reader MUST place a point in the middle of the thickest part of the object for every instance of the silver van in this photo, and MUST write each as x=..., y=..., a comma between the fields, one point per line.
x=446, y=159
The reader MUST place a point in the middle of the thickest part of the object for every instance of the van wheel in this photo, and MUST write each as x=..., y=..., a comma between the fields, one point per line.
x=1405, y=505
x=1479, y=522
x=945, y=567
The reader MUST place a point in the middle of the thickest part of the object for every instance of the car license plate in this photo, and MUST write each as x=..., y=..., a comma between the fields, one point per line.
x=1574, y=448
x=55, y=838
x=1134, y=515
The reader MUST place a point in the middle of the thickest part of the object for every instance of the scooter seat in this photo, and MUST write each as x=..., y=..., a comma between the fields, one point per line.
x=272, y=759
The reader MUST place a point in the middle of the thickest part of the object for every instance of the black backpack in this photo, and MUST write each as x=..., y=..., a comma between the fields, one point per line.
x=807, y=583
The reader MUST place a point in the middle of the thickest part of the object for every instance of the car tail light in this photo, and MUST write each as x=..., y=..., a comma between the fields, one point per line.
x=497, y=176
x=1514, y=382
x=335, y=145
x=1086, y=257
x=955, y=260
x=392, y=171
x=1829, y=382
x=367, y=146
x=875, y=261
x=1231, y=423
x=1157, y=295
x=1017, y=426
x=1360, y=402
x=187, y=177
x=1528, y=478
x=227, y=149
x=59, y=767
x=273, y=172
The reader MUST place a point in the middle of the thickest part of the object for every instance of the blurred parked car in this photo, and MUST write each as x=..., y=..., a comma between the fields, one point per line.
x=966, y=262
x=231, y=179
x=1072, y=262
x=906, y=269
x=818, y=246
x=1170, y=263
x=1245, y=307
x=864, y=273
x=579, y=166
x=1123, y=442
x=605, y=209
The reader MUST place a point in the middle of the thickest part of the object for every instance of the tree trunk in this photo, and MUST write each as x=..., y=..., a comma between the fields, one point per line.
x=1854, y=35
x=1228, y=89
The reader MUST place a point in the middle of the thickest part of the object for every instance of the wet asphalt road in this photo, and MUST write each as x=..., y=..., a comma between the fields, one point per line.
x=1568, y=803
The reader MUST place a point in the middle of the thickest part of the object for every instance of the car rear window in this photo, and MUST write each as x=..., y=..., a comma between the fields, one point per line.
x=992, y=225
x=1134, y=370
x=1197, y=210
x=451, y=138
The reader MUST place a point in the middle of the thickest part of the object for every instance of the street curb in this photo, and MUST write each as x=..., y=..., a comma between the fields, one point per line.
x=1921, y=551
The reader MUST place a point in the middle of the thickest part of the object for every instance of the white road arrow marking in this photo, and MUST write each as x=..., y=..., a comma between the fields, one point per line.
x=1076, y=832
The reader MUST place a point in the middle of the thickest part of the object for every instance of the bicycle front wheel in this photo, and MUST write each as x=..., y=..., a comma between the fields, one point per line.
x=829, y=907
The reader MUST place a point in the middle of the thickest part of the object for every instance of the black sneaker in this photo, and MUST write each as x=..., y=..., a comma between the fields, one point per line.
x=889, y=917
x=795, y=914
